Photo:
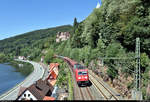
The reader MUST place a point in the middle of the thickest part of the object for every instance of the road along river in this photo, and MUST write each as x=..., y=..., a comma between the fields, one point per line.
x=34, y=76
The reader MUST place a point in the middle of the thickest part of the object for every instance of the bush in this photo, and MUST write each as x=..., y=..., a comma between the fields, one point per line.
x=148, y=98
x=130, y=85
x=25, y=70
x=143, y=92
x=49, y=56
x=85, y=55
x=3, y=58
x=112, y=72
x=144, y=62
x=74, y=54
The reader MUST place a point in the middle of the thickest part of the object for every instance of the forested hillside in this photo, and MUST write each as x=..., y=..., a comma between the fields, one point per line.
x=31, y=43
x=117, y=20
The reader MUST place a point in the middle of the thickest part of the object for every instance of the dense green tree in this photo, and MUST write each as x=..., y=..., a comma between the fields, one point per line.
x=2, y=57
x=84, y=55
x=76, y=39
x=49, y=56
x=144, y=62
x=101, y=47
x=112, y=72
x=75, y=25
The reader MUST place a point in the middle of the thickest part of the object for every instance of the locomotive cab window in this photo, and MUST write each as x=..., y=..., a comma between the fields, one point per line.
x=82, y=73
x=79, y=73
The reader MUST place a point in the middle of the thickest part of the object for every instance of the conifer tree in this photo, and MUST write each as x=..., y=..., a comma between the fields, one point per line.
x=75, y=24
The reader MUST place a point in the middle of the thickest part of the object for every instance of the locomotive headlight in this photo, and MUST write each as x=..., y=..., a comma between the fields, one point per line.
x=79, y=77
x=85, y=77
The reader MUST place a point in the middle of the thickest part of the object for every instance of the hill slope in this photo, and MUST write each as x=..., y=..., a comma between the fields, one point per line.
x=30, y=40
x=117, y=20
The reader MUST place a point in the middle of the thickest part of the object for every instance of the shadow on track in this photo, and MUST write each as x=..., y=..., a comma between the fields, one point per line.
x=86, y=85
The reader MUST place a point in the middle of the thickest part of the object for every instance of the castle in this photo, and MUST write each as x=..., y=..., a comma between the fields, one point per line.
x=62, y=36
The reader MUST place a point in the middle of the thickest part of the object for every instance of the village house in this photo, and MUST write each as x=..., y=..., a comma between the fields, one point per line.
x=53, y=73
x=21, y=58
x=41, y=90
x=62, y=36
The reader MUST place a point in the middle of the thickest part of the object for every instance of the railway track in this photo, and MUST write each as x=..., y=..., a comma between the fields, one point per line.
x=86, y=93
x=81, y=93
x=82, y=96
x=89, y=92
x=107, y=94
x=97, y=90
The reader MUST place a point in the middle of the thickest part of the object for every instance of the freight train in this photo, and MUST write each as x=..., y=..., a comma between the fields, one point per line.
x=80, y=72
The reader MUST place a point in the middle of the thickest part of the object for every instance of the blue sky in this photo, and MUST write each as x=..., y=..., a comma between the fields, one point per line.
x=20, y=16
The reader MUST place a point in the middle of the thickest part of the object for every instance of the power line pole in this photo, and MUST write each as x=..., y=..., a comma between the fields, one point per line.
x=138, y=70
x=136, y=93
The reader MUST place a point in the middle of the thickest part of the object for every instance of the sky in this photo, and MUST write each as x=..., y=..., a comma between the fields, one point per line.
x=20, y=16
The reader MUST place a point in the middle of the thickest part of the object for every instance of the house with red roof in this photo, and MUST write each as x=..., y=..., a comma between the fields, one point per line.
x=53, y=70
x=41, y=90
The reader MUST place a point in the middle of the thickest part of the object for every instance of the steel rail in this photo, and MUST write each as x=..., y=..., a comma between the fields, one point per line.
x=81, y=94
x=99, y=89
x=91, y=97
x=104, y=87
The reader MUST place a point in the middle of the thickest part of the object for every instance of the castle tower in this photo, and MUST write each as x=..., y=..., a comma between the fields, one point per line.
x=98, y=5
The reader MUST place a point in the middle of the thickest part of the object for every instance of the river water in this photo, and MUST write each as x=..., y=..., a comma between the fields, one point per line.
x=9, y=78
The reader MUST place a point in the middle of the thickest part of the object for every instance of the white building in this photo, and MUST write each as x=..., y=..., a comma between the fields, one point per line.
x=21, y=58
x=98, y=5
x=41, y=90
x=27, y=95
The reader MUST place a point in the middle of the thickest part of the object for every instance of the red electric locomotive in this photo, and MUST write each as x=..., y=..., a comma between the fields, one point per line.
x=80, y=72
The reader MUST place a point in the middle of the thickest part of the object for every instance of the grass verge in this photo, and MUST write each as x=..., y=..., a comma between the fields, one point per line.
x=70, y=83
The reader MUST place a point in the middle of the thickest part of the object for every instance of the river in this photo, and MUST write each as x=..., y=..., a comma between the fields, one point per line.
x=9, y=78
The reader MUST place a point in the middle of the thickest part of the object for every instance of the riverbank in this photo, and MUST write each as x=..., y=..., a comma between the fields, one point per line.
x=34, y=76
x=12, y=73
x=24, y=68
x=9, y=77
